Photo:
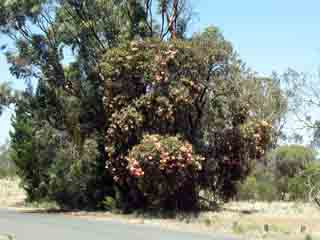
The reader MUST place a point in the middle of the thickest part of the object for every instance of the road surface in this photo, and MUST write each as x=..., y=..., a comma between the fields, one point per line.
x=34, y=226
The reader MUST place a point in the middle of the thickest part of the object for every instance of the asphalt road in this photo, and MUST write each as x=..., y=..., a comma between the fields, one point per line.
x=34, y=226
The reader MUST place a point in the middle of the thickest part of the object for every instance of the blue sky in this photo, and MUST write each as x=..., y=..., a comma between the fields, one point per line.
x=269, y=35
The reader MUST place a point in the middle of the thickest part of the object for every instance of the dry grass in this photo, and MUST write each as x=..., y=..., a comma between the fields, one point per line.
x=11, y=195
x=259, y=220
x=4, y=237
x=7, y=237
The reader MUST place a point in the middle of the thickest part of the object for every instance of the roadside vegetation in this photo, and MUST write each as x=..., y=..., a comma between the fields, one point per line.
x=246, y=219
x=146, y=117
x=291, y=174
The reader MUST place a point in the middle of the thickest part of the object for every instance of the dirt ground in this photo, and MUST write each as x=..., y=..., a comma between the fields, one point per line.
x=248, y=220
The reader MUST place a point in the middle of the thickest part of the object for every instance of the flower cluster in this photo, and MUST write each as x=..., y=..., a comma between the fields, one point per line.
x=181, y=96
x=162, y=60
x=180, y=160
x=163, y=166
x=168, y=154
x=258, y=133
x=135, y=169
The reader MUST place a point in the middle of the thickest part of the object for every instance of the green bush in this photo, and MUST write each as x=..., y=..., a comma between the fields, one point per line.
x=287, y=162
x=291, y=174
x=248, y=189
x=109, y=204
x=292, y=159
x=258, y=186
x=54, y=168
x=73, y=176
x=297, y=190
x=301, y=185
x=33, y=152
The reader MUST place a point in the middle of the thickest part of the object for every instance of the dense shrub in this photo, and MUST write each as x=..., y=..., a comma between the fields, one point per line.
x=232, y=155
x=61, y=171
x=305, y=185
x=291, y=174
x=259, y=186
x=55, y=160
x=73, y=176
x=166, y=171
x=32, y=153
x=292, y=159
x=287, y=162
